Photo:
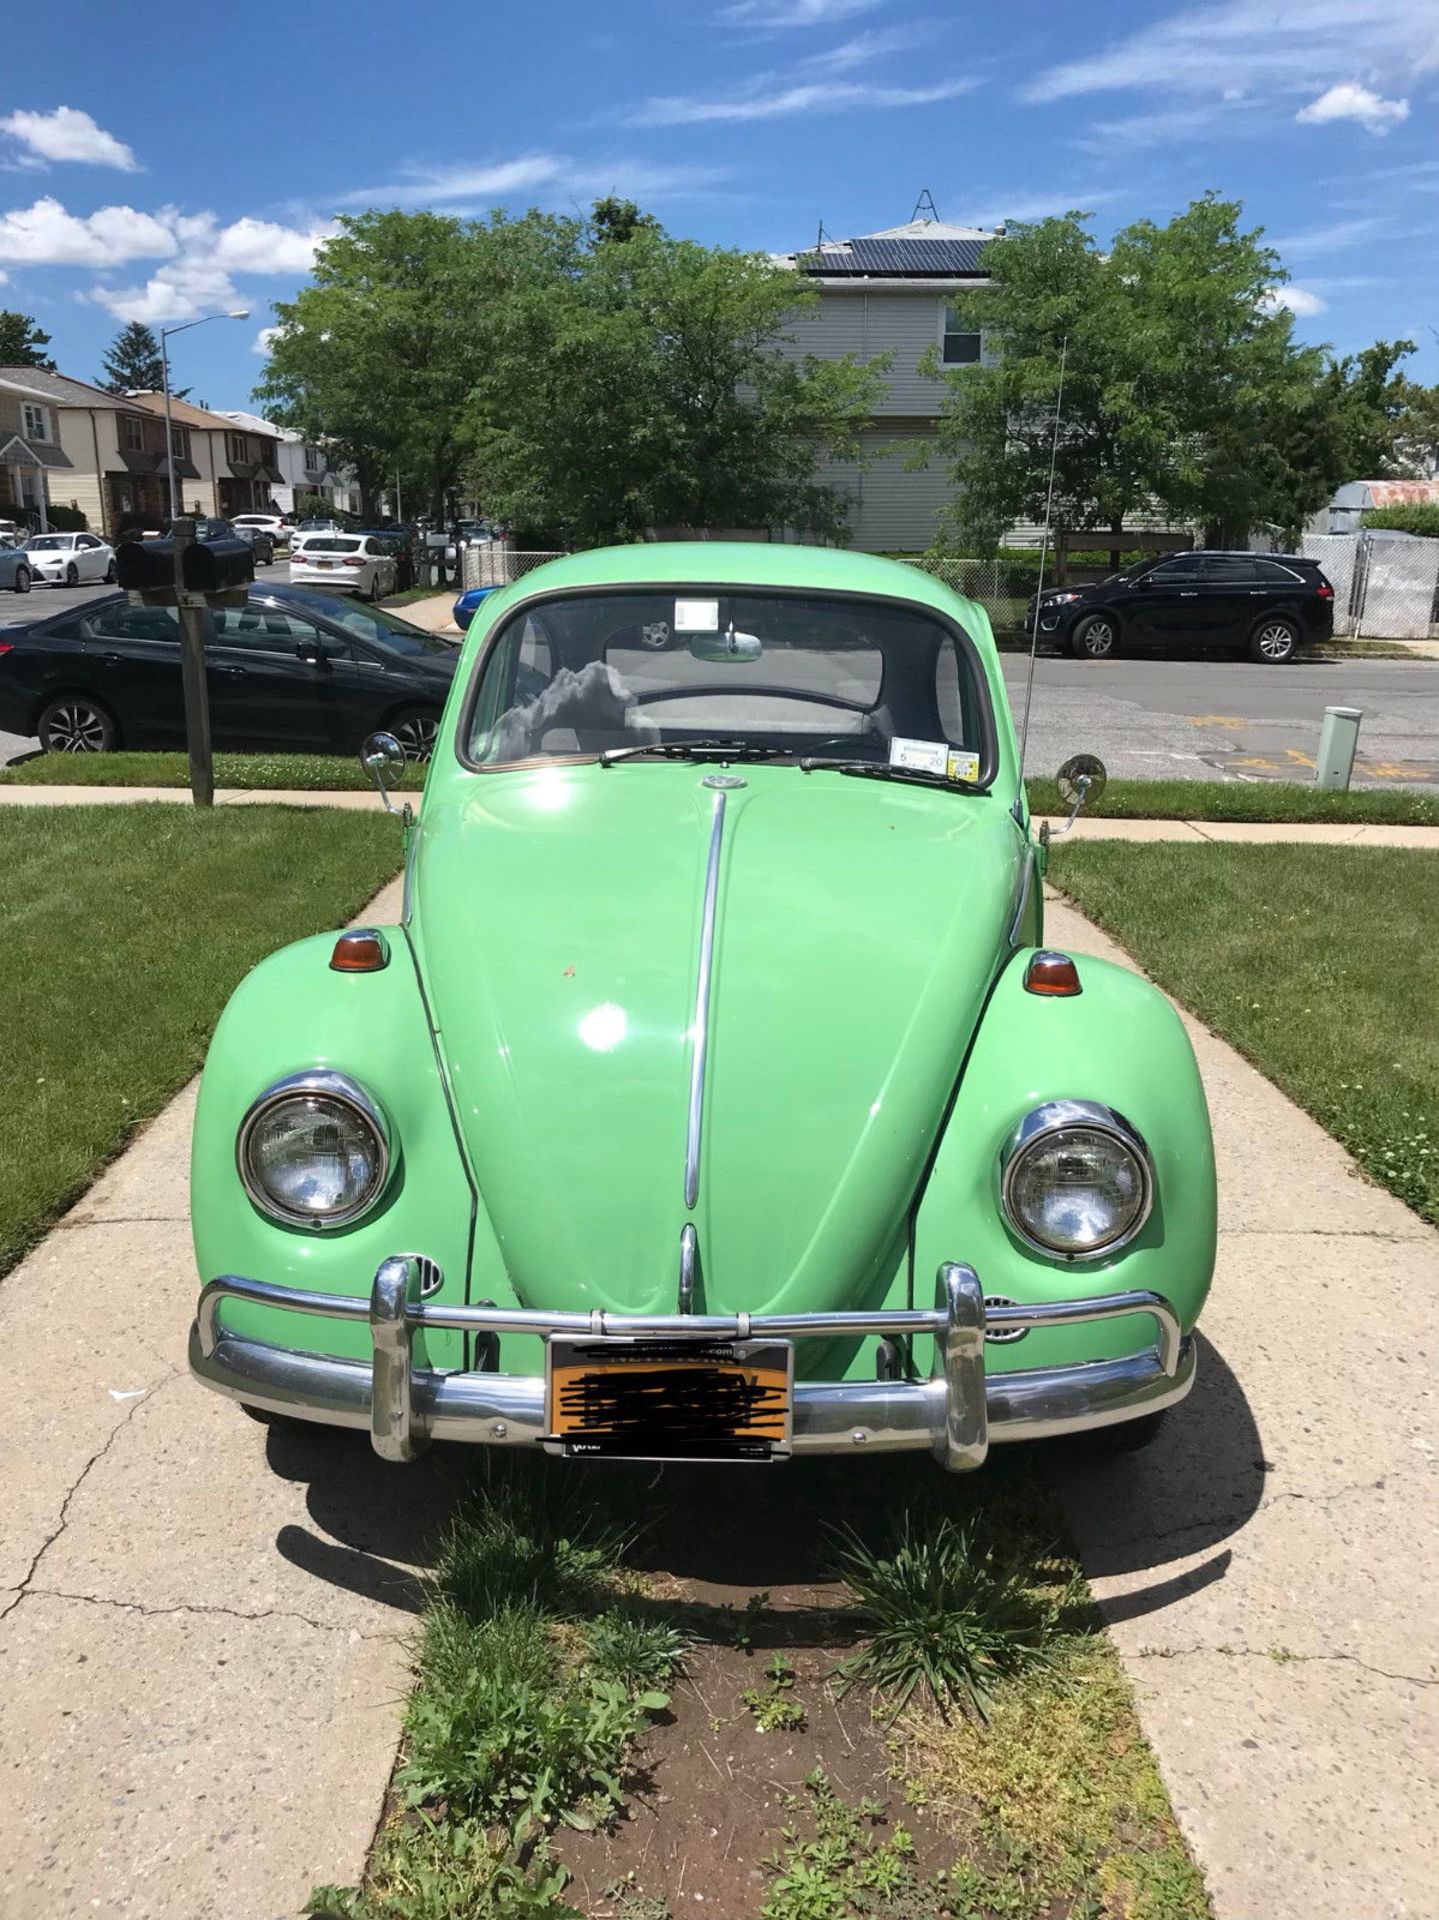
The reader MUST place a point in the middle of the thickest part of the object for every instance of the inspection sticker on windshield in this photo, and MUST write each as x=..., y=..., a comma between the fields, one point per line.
x=962, y=766
x=696, y=616
x=919, y=756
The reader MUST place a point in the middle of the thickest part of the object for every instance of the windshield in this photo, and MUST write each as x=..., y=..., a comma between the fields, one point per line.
x=778, y=675
x=49, y=542
x=380, y=627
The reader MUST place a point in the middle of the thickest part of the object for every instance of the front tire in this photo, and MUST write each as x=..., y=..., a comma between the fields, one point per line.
x=1095, y=637
x=110, y=574
x=74, y=723
x=1274, y=642
x=72, y=575
x=22, y=579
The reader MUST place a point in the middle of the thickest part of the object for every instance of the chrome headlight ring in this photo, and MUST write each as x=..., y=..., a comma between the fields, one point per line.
x=1058, y=1116
x=348, y=1093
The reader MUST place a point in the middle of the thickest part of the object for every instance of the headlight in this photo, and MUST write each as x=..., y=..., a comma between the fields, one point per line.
x=1076, y=1179
x=314, y=1150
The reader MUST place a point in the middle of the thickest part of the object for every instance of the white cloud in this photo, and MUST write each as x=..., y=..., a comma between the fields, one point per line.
x=861, y=49
x=771, y=98
x=794, y=13
x=67, y=134
x=555, y=179
x=46, y=235
x=1258, y=48
x=264, y=340
x=181, y=291
x=199, y=278
x=1299, y=300
x=1349, y=101
x=1335, y=235
x=995, y=209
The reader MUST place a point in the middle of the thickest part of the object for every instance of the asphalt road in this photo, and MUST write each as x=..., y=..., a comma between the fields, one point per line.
x=1148, y=719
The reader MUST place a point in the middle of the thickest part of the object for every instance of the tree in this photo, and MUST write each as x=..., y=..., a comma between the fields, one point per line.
x=22, y=343
x=133, y=362
x=1184, y=386
x=377, y=358
x=630, y=380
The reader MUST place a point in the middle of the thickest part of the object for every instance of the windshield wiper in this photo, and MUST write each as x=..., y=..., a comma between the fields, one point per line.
x=697, y=750
x=881, y=770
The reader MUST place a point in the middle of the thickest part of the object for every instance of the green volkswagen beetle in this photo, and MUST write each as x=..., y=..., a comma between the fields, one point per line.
x=715, y=1097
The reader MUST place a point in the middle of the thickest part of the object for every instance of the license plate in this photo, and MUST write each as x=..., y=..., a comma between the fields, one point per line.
x=681, y=1399
x=326, y=563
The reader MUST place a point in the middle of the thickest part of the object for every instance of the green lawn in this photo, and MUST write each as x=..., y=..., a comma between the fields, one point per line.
x=1318, y=963
x=315, y=772
x=126, y=928
x=1122, y=799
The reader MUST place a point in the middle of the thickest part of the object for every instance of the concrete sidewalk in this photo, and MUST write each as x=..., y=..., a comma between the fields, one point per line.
x=201, y=1673
x=1268, y=1566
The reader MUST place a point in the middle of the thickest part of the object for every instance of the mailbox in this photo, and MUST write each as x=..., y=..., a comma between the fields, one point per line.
x=224, y=565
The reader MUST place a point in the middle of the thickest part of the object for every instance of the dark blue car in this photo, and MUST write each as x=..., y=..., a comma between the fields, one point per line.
x=467, y=603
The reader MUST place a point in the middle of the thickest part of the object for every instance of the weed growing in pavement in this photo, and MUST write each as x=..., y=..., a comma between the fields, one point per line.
x=944, y=1618
x=774, y=1707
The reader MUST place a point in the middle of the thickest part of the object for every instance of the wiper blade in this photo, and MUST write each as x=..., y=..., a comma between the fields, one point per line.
x=881, y=770
x=696, y=750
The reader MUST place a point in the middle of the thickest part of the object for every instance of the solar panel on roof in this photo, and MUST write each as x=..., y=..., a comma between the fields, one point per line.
x=940, y=258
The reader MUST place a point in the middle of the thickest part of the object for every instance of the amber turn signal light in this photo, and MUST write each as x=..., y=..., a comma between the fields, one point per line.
x=363, y=951
x=1052, y=973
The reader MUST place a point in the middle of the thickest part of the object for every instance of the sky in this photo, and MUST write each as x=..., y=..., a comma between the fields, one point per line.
x=140, y=183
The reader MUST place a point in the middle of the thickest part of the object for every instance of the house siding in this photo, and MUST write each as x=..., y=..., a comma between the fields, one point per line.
x=894, y=507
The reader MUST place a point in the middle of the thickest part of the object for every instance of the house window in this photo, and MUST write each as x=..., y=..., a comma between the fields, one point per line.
x=133, y=432
x=180, y=442
x=314, y=460
x=37, y=422
x=957, y=347
x=237, y=449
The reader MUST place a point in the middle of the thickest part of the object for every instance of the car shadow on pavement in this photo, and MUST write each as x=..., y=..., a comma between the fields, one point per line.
x=376, y=1527
x=1190, y=1492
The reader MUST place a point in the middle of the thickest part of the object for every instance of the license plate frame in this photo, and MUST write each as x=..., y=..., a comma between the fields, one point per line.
x=722, y=1403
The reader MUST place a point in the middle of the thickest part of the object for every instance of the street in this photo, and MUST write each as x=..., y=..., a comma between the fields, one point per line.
x=1148, y=719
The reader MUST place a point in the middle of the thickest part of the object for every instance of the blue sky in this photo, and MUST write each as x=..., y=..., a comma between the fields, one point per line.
x=134, y=184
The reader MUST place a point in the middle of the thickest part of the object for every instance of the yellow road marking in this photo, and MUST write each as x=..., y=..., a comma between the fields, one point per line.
x=1229, y=720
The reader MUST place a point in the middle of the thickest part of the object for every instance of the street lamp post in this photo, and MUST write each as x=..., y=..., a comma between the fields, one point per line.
x=240, y=313
x=190, y=607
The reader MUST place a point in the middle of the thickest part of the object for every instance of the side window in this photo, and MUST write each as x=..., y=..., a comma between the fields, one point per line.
x=949, y=694
x=1229, y=570
x=957, y=346
x=268, y=630
x=1175, y=573
x=131, y=623
x=1271, y=574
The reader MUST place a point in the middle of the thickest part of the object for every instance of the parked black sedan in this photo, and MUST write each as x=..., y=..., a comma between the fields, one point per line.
x=289, y=672
x=1264, y=604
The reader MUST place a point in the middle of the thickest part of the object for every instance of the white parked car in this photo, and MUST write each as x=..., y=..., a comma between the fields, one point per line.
x=275, y=524
x=68, y=559
x=352, y=562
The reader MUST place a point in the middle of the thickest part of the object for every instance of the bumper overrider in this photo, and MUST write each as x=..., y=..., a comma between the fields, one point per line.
x=955, y=1414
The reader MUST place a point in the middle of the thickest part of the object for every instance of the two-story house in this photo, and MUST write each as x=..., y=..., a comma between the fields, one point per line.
x=238, y=467
x=308, y=467
x=892, y=293
x=30, y=451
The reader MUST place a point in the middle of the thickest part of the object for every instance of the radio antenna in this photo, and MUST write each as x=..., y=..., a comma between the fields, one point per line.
x=1043, y=553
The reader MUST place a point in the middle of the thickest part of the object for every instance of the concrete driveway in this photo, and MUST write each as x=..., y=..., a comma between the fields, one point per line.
x=201, y=1667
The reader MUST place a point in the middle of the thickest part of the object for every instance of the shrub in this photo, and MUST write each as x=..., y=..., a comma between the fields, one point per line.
x=1415, y=519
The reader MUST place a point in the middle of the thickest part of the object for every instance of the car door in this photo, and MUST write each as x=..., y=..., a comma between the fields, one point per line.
x=89, y=557
x=279, y=682
x=1166, y=601
x=131, y=658
x=1228, y=584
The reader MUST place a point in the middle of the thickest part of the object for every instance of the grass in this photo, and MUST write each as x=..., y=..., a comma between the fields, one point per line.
x=1277, y=800
x=542, y=1658
x=1258, y=800
x=1318, y=963
x=125, y=931
x=294, y=772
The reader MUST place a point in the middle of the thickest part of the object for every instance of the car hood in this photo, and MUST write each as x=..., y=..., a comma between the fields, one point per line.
x=557, y=925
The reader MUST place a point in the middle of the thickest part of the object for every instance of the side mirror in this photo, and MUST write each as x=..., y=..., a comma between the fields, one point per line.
x=729, y=646
x=1082, y=778
x=383, y=758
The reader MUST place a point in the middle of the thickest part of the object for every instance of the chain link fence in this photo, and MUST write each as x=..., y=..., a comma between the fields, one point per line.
x=1385, y=587
x=1002, y=587
x=494, y=563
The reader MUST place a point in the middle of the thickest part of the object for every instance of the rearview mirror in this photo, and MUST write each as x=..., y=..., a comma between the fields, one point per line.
x=383, y=758
x=728, y=645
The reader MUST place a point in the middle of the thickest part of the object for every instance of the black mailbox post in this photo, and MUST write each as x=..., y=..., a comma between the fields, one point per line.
x=191, y=575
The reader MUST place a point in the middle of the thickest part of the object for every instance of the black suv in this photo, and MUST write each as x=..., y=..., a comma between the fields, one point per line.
x=1264, y=604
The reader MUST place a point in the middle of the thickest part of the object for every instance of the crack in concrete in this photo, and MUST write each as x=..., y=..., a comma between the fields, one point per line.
x=1249, y=1511
x=1282, y=1657
x=199, y=1610
x=64, y=1517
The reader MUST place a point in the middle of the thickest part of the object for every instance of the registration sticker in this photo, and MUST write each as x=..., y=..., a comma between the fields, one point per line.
x=696, y=616
x=962, y=766
x=920, y=756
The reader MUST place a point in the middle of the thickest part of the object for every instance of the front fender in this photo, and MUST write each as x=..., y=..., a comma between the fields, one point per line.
x=292, y=1013
x=1119, y=1042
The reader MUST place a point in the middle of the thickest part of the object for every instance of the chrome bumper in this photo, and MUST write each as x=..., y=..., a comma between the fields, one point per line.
x=955, y=1414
